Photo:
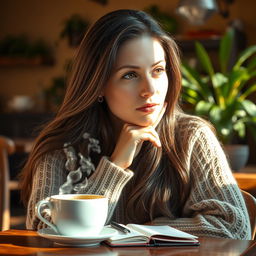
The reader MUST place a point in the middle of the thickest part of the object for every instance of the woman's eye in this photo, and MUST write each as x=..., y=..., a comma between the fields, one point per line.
x=158, y=71
x=129, y=75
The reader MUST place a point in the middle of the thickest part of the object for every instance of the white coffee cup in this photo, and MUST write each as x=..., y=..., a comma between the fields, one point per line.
x=75, y=214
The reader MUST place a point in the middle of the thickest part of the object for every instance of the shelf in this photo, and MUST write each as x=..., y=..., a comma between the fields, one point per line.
x=188, y=43
x=22, y=61
x=22, y=124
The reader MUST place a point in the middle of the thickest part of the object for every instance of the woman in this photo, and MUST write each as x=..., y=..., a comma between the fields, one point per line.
x=157, y=164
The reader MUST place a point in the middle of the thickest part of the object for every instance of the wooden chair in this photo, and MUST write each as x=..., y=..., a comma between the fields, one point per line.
x=250, y=202
x=7, y=147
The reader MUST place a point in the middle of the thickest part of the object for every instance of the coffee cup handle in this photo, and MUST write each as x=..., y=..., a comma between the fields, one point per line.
x=38, y=207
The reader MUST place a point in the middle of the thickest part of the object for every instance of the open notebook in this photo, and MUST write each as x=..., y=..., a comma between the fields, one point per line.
x=145, y=235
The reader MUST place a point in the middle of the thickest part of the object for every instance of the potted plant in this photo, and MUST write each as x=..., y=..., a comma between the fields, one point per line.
x=223, y=97
x=54, y=94
x=168, y=23
x=74, y=29
x=19, y=50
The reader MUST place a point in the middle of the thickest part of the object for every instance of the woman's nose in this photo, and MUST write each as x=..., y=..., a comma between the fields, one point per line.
x=147, y=88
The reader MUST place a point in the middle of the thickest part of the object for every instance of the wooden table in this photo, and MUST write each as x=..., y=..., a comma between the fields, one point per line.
x=246, y=178
x=24, y=242
x=246, y=181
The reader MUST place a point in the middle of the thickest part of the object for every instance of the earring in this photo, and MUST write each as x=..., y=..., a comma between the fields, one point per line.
x=100, y=98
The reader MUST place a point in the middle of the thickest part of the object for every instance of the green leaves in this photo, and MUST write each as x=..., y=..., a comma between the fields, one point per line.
x=221, y=97
x=195, y=82
x=204, y=59
x=249, y=107
x=225, y=50
x=245, y=55
x=202, y=108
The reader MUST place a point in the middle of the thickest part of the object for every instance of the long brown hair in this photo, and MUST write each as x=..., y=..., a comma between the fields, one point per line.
x=162, y=173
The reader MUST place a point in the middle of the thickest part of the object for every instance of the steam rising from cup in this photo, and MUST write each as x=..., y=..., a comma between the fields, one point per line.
x=77, y=178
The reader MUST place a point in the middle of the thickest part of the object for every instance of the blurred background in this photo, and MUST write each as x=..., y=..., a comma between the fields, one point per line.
x=38, y=40
x=40, y=24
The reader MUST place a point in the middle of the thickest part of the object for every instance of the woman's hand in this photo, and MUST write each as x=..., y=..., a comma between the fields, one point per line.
x=131, y=139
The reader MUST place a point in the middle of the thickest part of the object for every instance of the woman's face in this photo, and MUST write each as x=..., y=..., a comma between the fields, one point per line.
x=137, y=88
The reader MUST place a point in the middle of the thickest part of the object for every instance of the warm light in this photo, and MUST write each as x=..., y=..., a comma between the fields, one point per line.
x=197, y=11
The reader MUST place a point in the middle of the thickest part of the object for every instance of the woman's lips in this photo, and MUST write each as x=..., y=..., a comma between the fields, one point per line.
x=147, y=108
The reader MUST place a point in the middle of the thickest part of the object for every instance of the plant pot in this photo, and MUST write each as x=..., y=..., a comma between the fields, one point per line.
x=237, y=155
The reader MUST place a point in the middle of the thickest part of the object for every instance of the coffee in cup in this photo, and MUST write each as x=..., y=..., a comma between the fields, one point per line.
x=78, y=215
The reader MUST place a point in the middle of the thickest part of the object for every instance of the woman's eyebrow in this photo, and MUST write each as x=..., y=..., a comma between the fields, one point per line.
x=157, y=63
x=137, y=67
x=127, y=66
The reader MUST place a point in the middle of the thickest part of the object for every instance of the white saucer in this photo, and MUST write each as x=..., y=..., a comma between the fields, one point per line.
x=48, y=233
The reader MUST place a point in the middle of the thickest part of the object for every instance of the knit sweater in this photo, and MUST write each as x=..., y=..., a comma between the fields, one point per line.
x=215, y=206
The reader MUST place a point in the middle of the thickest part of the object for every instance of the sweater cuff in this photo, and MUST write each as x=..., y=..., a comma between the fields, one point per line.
x=108, y=177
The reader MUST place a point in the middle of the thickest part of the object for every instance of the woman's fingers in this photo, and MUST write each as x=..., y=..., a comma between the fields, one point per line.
x=139, y=134
x=131, y=138
x=130, y=141
x=152, y=136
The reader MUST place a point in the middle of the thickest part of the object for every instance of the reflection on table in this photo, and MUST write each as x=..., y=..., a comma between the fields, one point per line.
x=23, y=242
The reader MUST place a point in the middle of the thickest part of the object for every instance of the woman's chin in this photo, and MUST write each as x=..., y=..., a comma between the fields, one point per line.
x=145, y=123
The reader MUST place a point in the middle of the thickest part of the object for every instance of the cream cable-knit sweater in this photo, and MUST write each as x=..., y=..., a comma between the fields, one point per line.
x=215, y=206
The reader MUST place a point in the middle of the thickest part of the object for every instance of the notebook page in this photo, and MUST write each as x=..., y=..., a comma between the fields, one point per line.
x=149, y=231
x=133, y=236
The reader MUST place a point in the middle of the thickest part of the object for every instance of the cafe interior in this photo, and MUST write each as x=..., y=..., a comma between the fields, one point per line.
x=38, y=40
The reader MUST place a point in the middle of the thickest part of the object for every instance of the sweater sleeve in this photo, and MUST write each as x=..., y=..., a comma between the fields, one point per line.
x=215, y=206
x=108, y=179
x=49, y=176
